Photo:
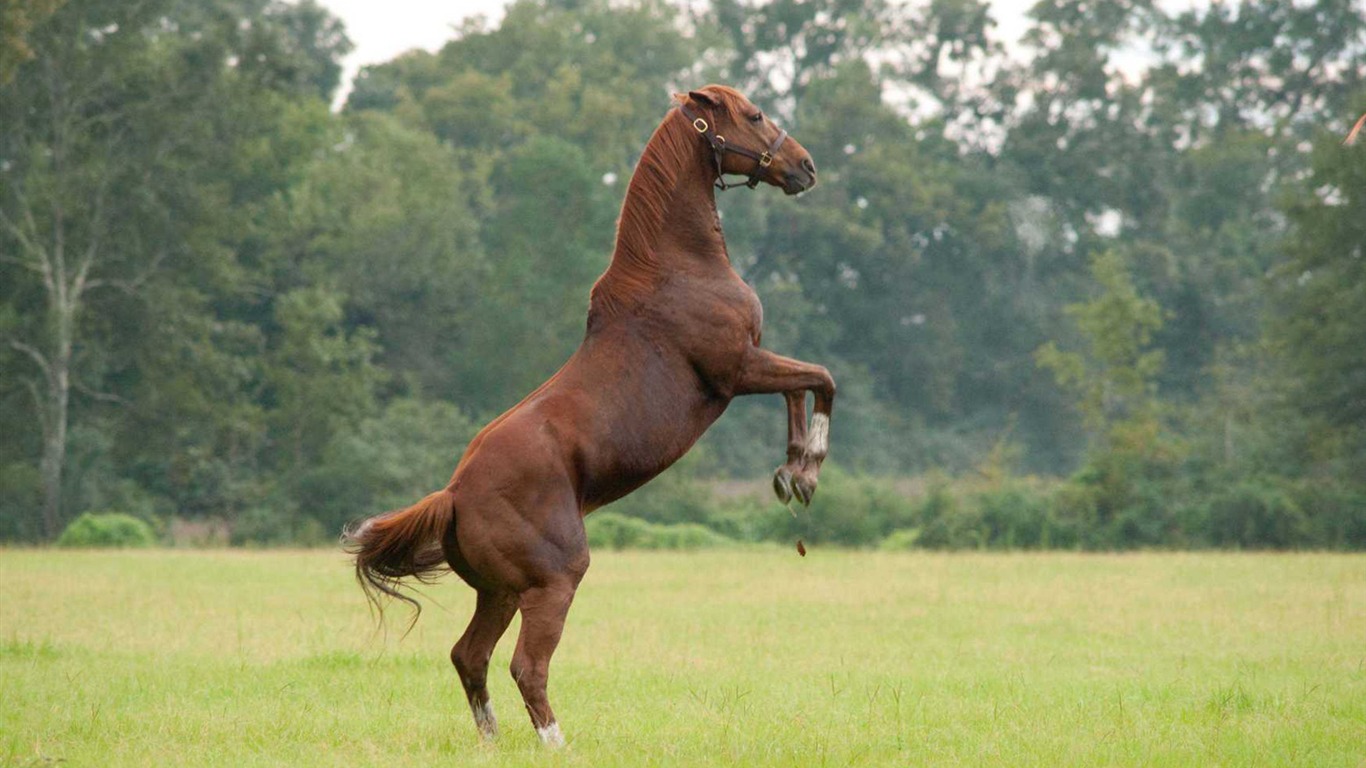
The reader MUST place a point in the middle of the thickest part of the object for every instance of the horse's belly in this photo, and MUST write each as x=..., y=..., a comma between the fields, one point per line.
x=635, y=439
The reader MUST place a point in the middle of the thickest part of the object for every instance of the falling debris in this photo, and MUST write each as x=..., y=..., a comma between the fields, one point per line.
x=1352, y=135
x=801, y=550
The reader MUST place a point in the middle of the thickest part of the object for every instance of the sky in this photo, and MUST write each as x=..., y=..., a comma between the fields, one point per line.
x=382, y=30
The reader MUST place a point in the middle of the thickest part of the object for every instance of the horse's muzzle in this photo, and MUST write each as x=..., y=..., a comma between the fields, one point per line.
x=798, y=180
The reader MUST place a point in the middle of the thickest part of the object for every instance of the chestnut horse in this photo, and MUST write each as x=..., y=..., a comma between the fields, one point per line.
x=673, y=335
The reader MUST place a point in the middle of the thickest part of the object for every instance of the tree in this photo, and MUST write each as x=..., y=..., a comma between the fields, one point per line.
x=110, y=134
x=76, y=141
x=1320, y=293
x=17, y=18
x=1115, y=377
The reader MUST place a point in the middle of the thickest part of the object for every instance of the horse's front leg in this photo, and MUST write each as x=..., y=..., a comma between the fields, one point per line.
x=765, y=372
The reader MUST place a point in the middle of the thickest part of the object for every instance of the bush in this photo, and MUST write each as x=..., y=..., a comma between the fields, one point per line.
x=277, y=526
x=849, y=509
x=111, y=529
x=748, y=518
x=1014, y=516
x=903, y=540
x=21, y=493
x=676, y=496
x=1335, y=514
x=616, y=531
x=946, y=523
x=1255, y=515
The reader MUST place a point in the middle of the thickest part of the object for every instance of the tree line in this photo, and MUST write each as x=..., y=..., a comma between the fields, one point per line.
x=1114, y=278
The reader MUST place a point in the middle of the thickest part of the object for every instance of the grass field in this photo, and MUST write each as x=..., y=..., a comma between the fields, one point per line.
x=758, y=657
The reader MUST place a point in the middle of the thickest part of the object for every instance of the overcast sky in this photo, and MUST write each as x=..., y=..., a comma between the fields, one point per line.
x=382, y=30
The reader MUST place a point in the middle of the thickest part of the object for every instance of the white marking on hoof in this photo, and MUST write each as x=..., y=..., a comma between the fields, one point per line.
x=818, y=441
x=484, y=718
x=551, y=736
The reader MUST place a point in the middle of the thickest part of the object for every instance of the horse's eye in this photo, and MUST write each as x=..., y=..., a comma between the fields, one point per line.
x=756, y=117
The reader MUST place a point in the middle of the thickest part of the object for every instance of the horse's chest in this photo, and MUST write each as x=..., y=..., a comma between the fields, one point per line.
x=713, y=324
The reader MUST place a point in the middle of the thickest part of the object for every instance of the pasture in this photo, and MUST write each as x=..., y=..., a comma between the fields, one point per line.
x=750, y=657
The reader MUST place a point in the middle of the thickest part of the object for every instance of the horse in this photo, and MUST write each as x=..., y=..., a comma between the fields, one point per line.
x=672, y=337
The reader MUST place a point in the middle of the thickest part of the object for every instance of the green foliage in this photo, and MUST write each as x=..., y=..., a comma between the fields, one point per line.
x=390, y=460
x=21, y=492
x=1115, y=376
x=17, y=17
x=273, y=315
x=903, y=540
x=1320, y=298
x=278, y=524
x=1255, y=515
x=609, y=530
x=1335, y=513
x=107, y=529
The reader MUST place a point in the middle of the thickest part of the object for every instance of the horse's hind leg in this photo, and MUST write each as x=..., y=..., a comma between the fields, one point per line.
x=493, y=612
x=543, y=614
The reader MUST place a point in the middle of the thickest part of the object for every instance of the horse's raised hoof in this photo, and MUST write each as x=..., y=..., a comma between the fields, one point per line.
x=782, y=484
x=803, y=488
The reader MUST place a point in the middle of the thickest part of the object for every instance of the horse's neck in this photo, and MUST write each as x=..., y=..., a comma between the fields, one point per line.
x=687, y=237
x=691, y=233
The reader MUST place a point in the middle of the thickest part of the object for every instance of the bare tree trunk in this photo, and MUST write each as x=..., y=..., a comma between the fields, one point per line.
x=64, y=271
x=54, y=437
x=54, y=460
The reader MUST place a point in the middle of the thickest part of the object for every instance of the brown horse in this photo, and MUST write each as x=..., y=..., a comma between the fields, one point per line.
x=673, y=335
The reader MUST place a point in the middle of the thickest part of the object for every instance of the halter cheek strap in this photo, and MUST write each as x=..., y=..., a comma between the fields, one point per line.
x=720, y=147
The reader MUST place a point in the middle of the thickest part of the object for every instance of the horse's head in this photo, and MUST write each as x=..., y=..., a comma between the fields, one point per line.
x=745, y=142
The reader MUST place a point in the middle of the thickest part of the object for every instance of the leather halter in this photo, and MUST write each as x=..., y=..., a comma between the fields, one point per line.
x=719, y=147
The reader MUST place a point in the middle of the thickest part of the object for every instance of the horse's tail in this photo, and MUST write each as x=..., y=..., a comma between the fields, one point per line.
x=405, y=543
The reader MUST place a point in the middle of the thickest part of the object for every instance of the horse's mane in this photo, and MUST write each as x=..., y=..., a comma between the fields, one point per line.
x=673, y=145
x=652, y=187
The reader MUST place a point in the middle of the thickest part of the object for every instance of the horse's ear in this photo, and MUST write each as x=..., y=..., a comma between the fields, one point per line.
x=702, y=97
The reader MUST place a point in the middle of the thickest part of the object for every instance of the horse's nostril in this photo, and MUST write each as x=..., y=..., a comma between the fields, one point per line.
x=809, y=166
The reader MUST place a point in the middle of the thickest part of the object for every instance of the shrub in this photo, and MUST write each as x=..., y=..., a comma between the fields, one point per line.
x=1335, y=514
x=1255, y=514
x=849, y=509
x=901, y=541
x=110, y=529
x=676, y=496
x=277, y=526
x=1014, y=516
x=616, y=531
x=945, y=523
x=21, y=492
x=748, y=518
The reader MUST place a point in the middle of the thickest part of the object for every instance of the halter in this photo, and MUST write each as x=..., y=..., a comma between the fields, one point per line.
x=719, y=147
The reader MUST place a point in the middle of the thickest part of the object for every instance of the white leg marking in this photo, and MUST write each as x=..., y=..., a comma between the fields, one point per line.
x=484, y=718
x=818, y=441
x=551, y=736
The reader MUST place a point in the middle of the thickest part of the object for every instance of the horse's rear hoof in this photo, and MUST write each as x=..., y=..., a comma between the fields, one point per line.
x=551, y=737
x=782, y=484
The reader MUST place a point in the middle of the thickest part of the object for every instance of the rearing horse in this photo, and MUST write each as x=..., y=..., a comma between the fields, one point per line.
x=673, y=336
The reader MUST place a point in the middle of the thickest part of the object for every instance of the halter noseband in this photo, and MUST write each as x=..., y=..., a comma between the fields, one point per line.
x=719, y=147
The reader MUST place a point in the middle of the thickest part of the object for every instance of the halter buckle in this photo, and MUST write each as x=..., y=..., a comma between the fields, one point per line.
x=700, y=125
x=765, y=160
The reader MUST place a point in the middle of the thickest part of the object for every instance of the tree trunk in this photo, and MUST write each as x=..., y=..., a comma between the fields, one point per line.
x=54, y=426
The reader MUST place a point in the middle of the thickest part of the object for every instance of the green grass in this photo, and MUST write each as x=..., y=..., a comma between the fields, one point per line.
x=752, y=657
